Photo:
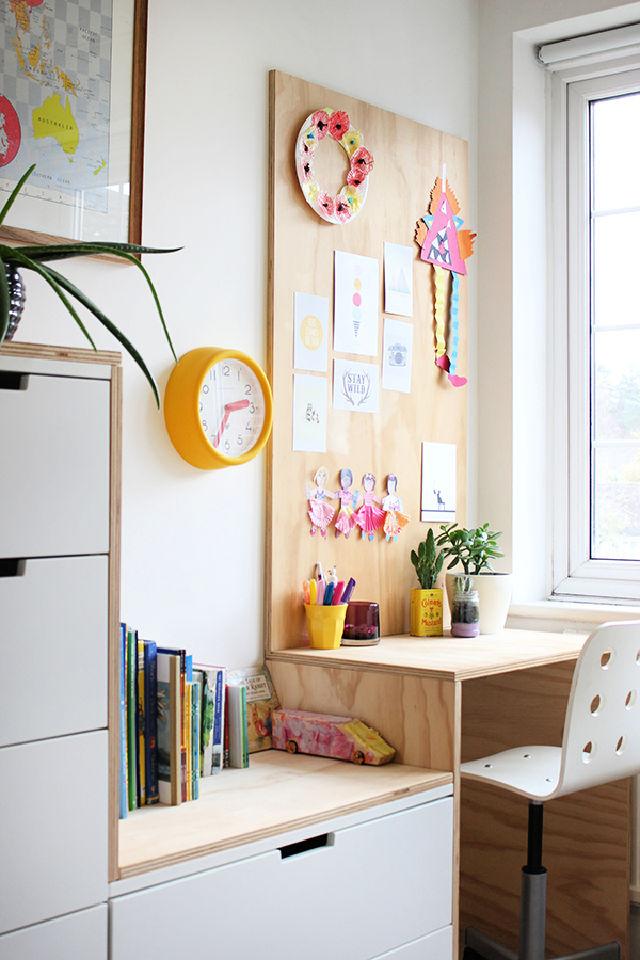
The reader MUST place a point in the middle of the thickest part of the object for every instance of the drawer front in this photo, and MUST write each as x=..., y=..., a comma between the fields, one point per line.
x=437, y=946
x=54, y=482
x=79, y=936
x=53, y=827
x=54, y=630
x=372, y=887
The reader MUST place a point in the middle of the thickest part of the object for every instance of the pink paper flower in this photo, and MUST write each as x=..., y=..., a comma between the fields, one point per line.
x=326, y=201
x=320, y=120
x=355, y=178
x=342, y=210
x=339, y=123
x=362, y=161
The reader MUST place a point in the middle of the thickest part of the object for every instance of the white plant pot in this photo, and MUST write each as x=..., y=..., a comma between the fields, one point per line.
x=494, y=592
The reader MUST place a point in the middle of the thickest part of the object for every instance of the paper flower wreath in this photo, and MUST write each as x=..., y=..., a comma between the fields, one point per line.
x=350, y=199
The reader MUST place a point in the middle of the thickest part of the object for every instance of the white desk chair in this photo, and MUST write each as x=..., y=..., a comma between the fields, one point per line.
x=601, y=743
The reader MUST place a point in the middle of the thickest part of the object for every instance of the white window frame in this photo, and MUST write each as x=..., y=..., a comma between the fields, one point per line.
x=571, y=87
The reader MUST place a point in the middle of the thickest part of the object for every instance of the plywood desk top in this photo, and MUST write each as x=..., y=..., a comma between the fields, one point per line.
x=451, y=658
x=277, y=793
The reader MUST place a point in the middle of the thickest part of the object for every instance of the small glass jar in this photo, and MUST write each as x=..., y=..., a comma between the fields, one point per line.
x=465, y=609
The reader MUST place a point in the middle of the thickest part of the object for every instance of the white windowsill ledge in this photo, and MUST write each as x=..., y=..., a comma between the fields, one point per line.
x=568, y=612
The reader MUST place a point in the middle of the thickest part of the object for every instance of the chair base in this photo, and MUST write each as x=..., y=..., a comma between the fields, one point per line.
x=477, y=946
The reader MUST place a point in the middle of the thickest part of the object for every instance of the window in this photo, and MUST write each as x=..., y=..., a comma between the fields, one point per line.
x=594, y=262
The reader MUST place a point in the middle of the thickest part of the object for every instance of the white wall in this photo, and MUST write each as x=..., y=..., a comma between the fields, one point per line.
x=513, y=362
x=193, y=542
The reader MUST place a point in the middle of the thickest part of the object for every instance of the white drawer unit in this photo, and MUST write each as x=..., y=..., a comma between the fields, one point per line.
x=351, y=895
x=436, y=946
x=54, y=624
x=77, y=936
x=54, y=482
x=53, y=824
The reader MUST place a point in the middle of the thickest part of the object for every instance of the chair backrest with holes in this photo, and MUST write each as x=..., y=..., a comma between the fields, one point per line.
x=601, y=739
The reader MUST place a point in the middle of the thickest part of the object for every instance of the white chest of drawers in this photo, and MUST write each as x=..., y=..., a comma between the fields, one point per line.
x=59, y=575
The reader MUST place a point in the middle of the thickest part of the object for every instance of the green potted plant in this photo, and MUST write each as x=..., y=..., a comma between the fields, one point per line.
x=426, y=600
x=35, y=257
x=475, y=550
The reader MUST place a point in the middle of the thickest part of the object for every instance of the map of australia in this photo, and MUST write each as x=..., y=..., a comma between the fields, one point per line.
x=57, y=78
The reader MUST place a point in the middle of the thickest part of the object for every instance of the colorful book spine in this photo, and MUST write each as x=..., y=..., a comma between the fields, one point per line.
x=132, y=719
x=140, y=686
x=188, y=666
x=169, y=723
x=244, y=729
x=151, y=720
x=182, y=654
x=195, y=739
x=122, y=768
x=218, y=745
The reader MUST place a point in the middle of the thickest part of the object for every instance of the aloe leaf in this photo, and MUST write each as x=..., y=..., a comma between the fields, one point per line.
x=19, y=257
x=14, y=193
x=5, y=302
x=106, y=322
x=62, y=251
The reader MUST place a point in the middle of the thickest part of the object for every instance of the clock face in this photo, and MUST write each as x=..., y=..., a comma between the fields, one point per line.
x=231, y=407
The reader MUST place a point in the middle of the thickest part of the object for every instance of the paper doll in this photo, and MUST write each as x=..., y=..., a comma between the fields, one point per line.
x=394, y=518
x=369, y=516
x=320, y=513
x=345, y=521
x=446, y=247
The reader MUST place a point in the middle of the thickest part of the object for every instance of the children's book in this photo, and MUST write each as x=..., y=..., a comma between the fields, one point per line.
x=183, y=725
x=140, y=685
x=122, y=767
x=261, y=701
x=151, y=720
x=195, y=740
x=132, y=721
x=169, y=727
x=237, y=714
x=189, y=722
x=211, y=717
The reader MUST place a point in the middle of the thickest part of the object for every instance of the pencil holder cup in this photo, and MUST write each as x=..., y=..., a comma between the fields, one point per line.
x=325, y=625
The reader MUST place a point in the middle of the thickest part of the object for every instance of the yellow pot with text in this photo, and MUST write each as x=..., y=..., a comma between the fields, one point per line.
x=426, y=613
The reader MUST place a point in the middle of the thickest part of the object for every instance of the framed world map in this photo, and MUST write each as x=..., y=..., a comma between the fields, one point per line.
x=72, y=103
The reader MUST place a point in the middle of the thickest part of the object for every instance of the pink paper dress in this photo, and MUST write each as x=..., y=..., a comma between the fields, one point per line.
x=369, y=516
x=320, y=513
x=345, y=521
x=394, y=519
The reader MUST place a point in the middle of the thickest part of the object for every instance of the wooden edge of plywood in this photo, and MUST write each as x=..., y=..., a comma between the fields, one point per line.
x=43, y=351
x=271, y=190
x=184, y=817
x=320, y=658
x=115, y=511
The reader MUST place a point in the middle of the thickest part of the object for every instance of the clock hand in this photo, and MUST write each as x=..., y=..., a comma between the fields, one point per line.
x=218, y=436
x=236, y=405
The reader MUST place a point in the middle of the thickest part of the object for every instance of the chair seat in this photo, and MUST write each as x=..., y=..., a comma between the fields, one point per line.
x=532, y=772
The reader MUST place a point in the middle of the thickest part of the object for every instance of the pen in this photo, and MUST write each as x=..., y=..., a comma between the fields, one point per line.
x=346, y=596
x=319, y=571
x=328, y=594
x=337, y=593
x=313, y=591
x=321, y=589
x=305, y=591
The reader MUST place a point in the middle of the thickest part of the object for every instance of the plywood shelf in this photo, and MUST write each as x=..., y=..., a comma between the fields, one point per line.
x=451, y=658
x=276, y=794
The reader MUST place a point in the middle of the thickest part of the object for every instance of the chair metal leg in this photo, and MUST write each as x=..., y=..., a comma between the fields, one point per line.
x=610, y=951
x=484, y=947
x=533, y=908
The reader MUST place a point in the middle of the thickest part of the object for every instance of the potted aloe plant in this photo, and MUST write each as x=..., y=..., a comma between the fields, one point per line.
x=475, y=550
x=36, y=257
x=426, y=600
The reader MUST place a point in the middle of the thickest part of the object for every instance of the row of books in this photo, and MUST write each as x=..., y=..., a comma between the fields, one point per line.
x=180, y=721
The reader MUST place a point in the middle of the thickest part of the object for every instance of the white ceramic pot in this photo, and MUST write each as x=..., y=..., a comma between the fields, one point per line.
x=494, y=592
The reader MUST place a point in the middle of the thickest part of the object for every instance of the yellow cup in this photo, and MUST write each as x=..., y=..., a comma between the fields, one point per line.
x=426, y=613
x=325, y=625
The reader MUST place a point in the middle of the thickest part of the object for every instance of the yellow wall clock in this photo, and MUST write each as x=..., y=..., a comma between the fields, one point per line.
x=218, y=408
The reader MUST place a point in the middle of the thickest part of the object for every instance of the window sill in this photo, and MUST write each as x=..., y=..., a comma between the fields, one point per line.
x=568, y=613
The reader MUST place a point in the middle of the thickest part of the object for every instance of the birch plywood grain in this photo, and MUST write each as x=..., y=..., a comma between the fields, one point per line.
x=586, y=844
x=408, y=156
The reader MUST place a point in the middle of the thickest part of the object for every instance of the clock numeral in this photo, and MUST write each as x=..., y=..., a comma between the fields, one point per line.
x=227, y=445
x=239, y=440
x=212, y=373
x=205, y=388
x=226, y=370
x=248, y=426
x=204, y=425
x=248, y=389
x=252, y=408
x=200, y=407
